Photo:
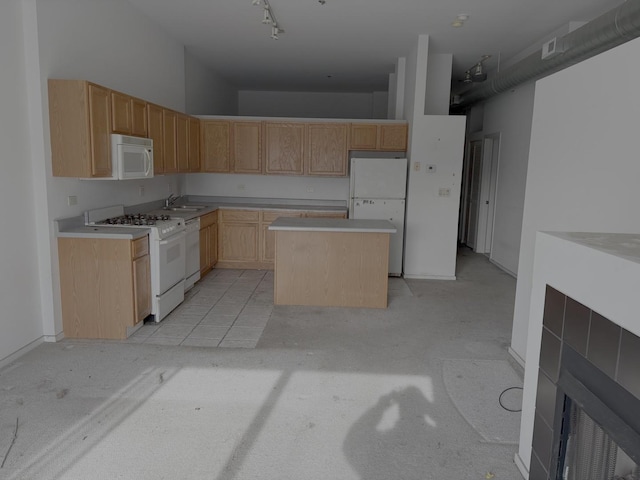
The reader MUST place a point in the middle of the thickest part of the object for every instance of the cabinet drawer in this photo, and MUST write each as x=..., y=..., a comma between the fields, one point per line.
x=140, y=247
x=312, y=214
x=269, y=216
x=208, y=219
x=239, y=215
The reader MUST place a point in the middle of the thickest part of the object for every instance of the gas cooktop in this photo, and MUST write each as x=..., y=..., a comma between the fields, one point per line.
x=135, y=219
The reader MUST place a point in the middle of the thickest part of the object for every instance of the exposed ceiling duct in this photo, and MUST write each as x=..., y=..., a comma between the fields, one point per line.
x=609, y=30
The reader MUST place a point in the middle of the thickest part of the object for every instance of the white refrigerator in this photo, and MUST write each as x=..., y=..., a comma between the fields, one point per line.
x=377, y=191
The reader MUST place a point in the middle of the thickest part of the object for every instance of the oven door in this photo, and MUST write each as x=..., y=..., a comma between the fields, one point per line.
x=171, y=260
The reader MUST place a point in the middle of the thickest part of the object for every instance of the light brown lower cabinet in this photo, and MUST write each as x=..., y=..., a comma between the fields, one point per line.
x=105, y=286
x=208, y=242
x=244, y=238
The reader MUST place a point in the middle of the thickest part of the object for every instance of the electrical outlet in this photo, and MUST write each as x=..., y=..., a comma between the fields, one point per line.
x=72, y=200
x=141, y=190
x=416, y=166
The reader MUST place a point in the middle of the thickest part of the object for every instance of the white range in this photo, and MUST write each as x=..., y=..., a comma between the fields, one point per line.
x=167, y=251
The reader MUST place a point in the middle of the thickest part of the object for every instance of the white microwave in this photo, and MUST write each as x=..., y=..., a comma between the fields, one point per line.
x=131, y=157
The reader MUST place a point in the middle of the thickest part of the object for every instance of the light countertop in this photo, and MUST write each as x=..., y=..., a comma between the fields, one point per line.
x=115, y=233
x=333, y=225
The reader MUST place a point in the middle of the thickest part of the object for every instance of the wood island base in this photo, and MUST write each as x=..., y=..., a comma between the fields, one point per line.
x=331, y=268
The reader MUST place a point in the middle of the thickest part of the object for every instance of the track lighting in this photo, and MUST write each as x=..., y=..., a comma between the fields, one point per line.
x=269, y=18
x=478, y=74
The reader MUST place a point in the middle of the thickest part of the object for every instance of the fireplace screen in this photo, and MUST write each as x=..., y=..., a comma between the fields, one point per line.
x=590, y=453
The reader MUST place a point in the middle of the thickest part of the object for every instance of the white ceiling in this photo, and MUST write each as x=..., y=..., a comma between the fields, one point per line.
x=352, y=45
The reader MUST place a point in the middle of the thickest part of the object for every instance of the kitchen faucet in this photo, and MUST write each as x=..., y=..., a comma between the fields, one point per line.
x=172, y=199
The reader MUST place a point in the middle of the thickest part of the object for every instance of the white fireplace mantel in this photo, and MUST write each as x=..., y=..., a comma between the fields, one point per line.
x=599, y=270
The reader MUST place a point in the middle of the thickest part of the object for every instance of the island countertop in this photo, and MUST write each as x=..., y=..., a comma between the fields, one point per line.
x=332, y=225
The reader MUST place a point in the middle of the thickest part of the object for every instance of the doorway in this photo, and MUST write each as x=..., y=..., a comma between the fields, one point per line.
x=479, y=192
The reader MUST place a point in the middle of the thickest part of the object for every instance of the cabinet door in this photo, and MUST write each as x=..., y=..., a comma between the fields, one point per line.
x=139, y=118
x=141, y=288
x=205, y=259
x=215, y=146
x=194, y=144
x=327, y=149
x=156, y=129
x=120, y=113
x=284, y=148
x=213, y=245
x=393, y=137
x=182, y=143
x=169, y=135
x=100, y=131
x=239, y=242
x=247, y=151
x=364, y=136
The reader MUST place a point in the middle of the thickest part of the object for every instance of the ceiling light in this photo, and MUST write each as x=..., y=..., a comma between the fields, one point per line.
x=267, y=18
x=467, y=77
x=459, y=21
x=478, y=74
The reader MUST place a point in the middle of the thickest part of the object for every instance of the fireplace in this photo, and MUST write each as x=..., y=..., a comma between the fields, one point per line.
x=587, y=409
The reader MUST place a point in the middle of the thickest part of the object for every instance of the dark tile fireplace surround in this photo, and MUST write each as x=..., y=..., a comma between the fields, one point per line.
x=583, y=354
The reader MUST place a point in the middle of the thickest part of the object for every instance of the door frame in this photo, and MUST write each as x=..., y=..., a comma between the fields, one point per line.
x=463, y=217
x=488, y=193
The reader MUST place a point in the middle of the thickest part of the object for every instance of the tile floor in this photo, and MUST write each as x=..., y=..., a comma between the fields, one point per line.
x=228, y=308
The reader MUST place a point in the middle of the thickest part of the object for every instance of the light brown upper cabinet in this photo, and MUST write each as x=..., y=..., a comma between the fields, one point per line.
x=392, y=137
x=246, y=138
x=364, y=136
x=372, y=136
x=215, y=143
x=156, y=132
x=139, y=120
x=182, y=142
x=169, y=121
x=80, y=122
x=128, y=115
x=194, y=144
x=284, y=148
x=327, y=149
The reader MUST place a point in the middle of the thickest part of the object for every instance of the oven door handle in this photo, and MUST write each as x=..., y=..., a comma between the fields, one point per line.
x=173, y=238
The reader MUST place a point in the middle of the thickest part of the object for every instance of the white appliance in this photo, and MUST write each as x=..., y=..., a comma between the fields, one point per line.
x=378, y=188
x=167, y=253
x=192, y=272
x=131, y=157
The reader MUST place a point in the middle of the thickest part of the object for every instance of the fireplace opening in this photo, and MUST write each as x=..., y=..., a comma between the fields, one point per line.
x=598, y=436
x=590, y=453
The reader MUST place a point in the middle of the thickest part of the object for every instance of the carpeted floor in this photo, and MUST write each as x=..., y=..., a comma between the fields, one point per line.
x=327, y=393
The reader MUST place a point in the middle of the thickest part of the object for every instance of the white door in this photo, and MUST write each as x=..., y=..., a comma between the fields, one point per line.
x=378, y=177
x=487, y=192
x=385, y=209
x=475, y=175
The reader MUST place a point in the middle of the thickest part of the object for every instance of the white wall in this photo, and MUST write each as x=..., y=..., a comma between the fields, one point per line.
x=431, y=220
x=438, y=84
x=306, y=104
x=268, y=186
x=19, y=283
x=510, y=115
x=583, y=162
x=66, y=39
x=380, y=104
x=207, y=93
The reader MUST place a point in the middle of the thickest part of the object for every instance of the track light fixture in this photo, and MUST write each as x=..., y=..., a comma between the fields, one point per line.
x=475, y=73
x=269, y=18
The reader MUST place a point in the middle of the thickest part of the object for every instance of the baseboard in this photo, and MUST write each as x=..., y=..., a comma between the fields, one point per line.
x=429, y=277
x=524, y=471
x=516, y=357
x=18, y=353
x=504, y=269
x=53, y=338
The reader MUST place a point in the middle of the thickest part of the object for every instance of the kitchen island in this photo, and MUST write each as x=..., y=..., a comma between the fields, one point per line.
x=331, y=262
